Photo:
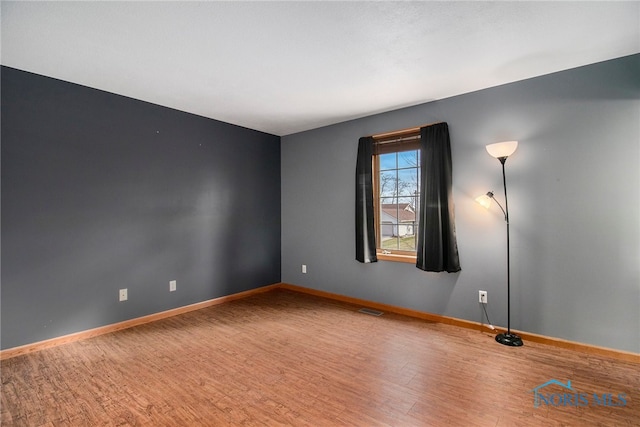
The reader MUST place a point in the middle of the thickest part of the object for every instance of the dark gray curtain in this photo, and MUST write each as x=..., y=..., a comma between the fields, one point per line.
x=437, y=247
x=365, y=226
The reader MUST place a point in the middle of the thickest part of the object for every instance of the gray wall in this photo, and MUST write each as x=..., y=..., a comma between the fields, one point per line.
x=102, y=192
x=574, y=203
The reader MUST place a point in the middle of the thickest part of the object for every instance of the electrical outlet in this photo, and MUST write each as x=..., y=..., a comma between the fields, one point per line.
x=172, y=285
x=123, y=295
x=482, y=297
x=304, y=268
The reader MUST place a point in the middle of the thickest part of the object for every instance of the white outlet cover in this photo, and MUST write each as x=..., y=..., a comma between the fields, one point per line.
x=123, y=295
x=172, y=285
x=482, y=296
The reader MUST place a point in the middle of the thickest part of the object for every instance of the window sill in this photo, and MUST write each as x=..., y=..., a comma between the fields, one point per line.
x=409, y=259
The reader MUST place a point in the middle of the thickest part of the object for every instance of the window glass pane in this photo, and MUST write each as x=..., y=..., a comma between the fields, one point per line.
x=407, y=200
x=408, y=159
x=408, y=243
x=389, y=184
x=388, y=161
x=389, y=213
x=390, y=243
x=405, y=242
x=387, y=201
x=407, y=182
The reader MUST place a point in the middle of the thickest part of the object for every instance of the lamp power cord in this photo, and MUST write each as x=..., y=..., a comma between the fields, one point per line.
x=489, y=325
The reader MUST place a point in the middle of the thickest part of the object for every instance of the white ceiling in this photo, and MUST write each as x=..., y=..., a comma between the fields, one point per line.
x=286, y=67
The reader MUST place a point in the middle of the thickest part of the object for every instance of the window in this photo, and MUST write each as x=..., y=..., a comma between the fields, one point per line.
x=396, y=181
x=407, y=175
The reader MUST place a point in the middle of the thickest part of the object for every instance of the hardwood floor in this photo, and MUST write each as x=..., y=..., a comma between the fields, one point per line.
x=286, y=358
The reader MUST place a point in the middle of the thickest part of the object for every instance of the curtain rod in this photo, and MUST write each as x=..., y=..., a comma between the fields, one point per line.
x=399, y=139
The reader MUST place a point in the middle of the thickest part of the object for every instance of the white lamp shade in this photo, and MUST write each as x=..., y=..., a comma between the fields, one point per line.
x=502, y=149
x=484, y=201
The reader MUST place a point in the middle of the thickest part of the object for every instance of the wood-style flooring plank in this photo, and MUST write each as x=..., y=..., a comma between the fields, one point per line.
x=283, y=358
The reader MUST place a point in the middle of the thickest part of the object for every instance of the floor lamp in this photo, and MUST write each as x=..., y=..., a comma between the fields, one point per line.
x=501, y=151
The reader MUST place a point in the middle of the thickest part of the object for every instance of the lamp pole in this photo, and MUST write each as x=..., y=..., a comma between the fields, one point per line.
x=508, y=338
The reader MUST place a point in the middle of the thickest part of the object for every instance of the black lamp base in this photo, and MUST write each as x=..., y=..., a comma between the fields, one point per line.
x=509, y=339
